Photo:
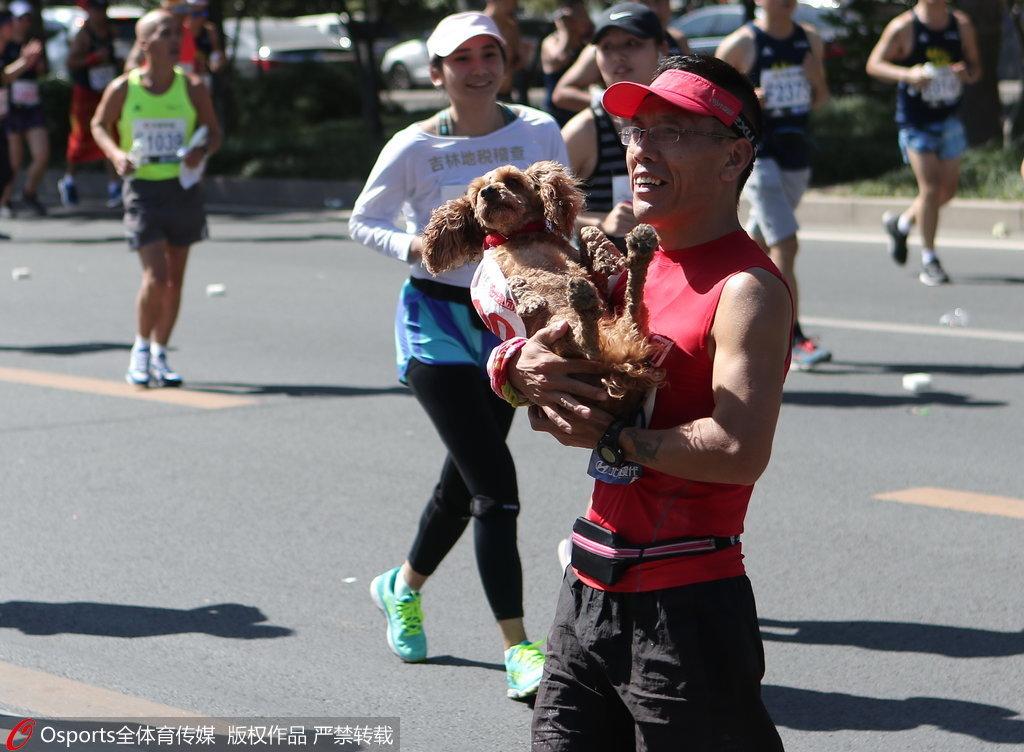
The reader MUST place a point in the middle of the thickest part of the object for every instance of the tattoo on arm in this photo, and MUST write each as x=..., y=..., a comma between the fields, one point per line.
x=646, y=450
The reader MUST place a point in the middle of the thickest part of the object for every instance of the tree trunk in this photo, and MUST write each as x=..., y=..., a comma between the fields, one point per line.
x=982, y=110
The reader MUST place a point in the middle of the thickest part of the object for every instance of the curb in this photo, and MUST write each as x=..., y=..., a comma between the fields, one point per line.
x=818, y=208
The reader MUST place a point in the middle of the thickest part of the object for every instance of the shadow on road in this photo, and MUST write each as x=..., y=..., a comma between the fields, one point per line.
x=451, y=660
x=295, y=390
x=985, y=279
x=865, y=399
x=838, y=367
x=78, y=348
x=903, y=637
x=232, y=620
x=808, y=710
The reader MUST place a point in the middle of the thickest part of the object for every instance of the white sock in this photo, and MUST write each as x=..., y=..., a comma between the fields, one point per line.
x=928, y=255
x=158, y=349
x=401, y=586
x=903, y=224
x=141, y=343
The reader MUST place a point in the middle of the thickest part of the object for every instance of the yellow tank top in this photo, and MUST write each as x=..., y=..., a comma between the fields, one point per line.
x=153, y=127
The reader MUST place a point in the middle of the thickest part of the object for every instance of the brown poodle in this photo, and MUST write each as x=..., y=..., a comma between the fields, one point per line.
x=524, y=219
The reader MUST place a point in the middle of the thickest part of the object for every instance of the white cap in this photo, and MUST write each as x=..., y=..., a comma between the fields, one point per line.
x=20, y=8
x=455, y=29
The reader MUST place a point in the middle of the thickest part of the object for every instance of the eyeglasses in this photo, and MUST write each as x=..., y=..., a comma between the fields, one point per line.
x=664, y=135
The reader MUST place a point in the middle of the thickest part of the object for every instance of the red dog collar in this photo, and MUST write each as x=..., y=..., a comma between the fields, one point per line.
x=494, y=239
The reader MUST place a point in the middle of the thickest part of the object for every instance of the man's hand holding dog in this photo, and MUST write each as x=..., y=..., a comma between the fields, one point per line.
x=559, y=401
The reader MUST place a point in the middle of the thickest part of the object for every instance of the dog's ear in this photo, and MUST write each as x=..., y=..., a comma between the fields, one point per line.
x=452, y=237
x=559, y=193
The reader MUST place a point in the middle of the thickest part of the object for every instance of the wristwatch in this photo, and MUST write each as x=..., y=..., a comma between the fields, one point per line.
x=608, y=446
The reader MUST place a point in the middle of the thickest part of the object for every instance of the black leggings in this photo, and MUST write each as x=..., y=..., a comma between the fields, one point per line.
x=478, y=480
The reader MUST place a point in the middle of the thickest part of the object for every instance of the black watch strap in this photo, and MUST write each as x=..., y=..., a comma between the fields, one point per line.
x=608, y=447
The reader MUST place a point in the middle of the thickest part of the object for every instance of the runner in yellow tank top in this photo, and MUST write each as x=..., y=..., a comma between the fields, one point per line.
x=145, y=120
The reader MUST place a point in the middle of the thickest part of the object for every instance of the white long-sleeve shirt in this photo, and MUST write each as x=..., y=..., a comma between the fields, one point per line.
x=417, y=171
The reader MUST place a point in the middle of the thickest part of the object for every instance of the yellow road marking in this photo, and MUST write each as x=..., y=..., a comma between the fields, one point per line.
x=51, y=696
x=182, y=397
x=963, y=501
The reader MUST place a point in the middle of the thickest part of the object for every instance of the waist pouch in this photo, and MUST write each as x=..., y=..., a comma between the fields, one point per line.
x=605, y=556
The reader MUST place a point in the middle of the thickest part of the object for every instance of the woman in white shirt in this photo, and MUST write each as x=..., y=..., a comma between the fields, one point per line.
x=443, y=346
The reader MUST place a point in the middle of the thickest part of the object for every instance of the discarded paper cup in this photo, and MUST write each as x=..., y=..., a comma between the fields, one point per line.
x=917, y=382
x=21, y=272
x=216, y=290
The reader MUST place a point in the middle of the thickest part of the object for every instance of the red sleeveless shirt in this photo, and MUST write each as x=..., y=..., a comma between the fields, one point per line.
x=682, y=293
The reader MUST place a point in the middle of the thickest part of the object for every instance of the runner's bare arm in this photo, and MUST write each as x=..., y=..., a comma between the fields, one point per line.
x=205, y=115
x=572, y=92
x=738, y=50
x=894, y=44
x=79, y=51
x=814, y=68
x=104, y=124
x=750, y=338
x=970, y=71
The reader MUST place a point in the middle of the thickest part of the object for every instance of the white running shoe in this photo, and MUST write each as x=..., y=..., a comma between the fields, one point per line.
x=163, y=374
x=138, y=367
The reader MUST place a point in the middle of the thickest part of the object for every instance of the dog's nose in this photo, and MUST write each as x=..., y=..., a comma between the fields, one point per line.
x=489, y=192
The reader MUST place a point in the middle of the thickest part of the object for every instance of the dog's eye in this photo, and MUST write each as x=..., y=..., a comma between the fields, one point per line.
x=513, y=182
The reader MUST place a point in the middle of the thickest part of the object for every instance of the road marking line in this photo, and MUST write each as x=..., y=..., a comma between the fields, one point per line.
x=56, y=697
x=997, y=335
x=879, y=239
x=106, y=388
x=963, y=501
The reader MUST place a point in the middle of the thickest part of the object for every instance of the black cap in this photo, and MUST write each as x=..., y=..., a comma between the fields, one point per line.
x=5, y=17
x=632, y=18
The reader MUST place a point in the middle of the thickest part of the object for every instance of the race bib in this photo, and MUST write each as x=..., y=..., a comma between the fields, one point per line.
x=944, y=89
x=25, y=93
x=5, y=103
x=786, y=89
x=100, y=76
x=493, y=300
x=158, y=140
x=621, y=190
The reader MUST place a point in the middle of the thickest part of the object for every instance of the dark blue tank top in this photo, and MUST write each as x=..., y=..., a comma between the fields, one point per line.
x=778, y=69
x=81, y=76
x=611, y=162
x=550, y=81
x=941, y=98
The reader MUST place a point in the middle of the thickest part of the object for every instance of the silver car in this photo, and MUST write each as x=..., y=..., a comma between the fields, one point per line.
x=406, y=65
x=265, y=44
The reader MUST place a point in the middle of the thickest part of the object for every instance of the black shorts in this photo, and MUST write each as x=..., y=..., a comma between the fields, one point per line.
x=24, y=119
x=156, y=210
x=661, y=671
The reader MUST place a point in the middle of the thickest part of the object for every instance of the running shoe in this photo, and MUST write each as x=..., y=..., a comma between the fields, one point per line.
x=897, y=239
x=34, y=205
x=404, y=616
x=113, y=195
x=524, y=667
x=162, y=373
x=933, y=275
x=7, y=211
x=68, y=191
x=807, y=354
x=138, y=367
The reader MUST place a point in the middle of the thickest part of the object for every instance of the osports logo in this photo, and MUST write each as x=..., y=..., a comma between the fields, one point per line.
x=25, y=727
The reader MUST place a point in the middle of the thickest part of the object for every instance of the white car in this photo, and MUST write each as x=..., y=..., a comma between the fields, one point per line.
x=406, y=65
x=331, y=24
x=267, y=44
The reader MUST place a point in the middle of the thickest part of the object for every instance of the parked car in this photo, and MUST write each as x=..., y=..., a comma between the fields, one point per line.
x=331, y=24
x=258, y=45
x=407, y=64
x=705, y=28
x=61, y=23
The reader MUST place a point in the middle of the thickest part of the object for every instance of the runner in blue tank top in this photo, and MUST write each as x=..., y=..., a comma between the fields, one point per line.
x=930, y=52
x=785, y=62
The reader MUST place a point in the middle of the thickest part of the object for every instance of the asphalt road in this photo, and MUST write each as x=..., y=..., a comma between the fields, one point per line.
x=214, y=555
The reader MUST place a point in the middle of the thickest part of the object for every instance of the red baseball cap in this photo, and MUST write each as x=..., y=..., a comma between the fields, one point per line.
x=684, y=90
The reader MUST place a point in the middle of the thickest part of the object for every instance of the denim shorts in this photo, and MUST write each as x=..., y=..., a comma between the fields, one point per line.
x=946, y=139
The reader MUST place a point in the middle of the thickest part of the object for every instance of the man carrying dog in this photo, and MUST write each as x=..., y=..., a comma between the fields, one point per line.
x=658, y=648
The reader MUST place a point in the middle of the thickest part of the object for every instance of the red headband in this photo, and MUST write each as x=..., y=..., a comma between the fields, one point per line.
x=685, y=90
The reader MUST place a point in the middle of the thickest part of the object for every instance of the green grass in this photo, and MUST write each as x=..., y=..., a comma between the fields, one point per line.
x=988, y=173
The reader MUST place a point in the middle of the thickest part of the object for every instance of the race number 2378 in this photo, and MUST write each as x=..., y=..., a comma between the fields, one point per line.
x=159, y=140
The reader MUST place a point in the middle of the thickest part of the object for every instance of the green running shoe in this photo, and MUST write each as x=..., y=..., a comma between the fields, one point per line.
x=405, y=617
x=524, y=666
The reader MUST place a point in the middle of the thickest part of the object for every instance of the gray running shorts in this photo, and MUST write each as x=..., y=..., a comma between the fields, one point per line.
x=774, y=194
x=156, y=210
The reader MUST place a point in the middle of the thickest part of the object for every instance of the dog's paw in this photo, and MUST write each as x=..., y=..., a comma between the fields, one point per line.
x=583, y=296
x=528, y=302
x=641, y=242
